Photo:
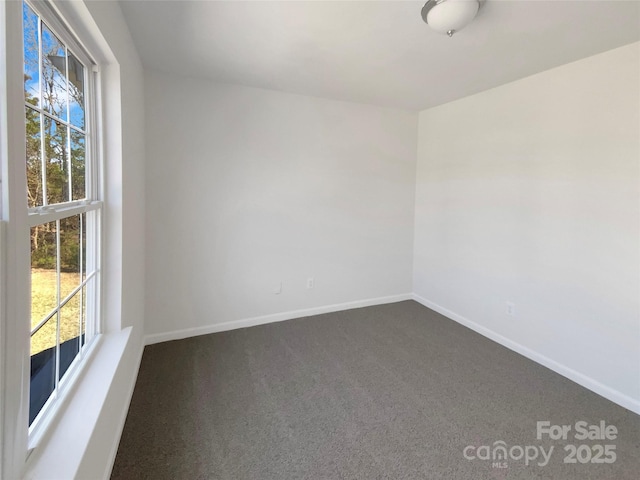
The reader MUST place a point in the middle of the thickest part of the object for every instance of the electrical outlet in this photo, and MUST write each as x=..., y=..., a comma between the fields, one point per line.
x=511, y=309
x=310, y=282
x=277, y=290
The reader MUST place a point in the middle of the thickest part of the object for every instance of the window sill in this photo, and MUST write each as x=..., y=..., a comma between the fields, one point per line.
x=79, y=428
x=74, y=374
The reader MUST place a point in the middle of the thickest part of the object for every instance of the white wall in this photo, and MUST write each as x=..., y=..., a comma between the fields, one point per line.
x=247, y=188
x=529, y=193
x=124, y=151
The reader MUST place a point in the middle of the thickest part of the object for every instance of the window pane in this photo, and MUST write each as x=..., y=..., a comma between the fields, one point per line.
x=34, y=160
x=83, y=316
x=76, y=92
x=83, y=245
x=77, y=166
x=43, y=366
x=89, y=325
x=70, y=325
x=54, y=74
x=31, y=56
x=90, y=261
x=69, y=255
x=44, y=284
x=55, y=144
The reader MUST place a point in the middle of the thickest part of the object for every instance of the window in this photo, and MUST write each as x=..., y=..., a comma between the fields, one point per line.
x=63, y=205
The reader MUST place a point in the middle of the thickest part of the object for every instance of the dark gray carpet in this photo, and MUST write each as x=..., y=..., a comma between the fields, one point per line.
x=389, y=392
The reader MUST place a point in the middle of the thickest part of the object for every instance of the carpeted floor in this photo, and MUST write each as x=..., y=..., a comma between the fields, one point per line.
x=388, y=392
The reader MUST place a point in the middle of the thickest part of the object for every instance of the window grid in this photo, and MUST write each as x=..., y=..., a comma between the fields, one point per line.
x=69, y=204
x=41, y=106
x=61, y=302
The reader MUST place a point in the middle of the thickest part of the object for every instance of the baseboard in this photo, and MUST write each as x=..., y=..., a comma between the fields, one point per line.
x=603, y=390
x=122, y=418
x=276, y=317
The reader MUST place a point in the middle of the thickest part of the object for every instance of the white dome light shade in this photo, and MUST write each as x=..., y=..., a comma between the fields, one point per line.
x=449, y=16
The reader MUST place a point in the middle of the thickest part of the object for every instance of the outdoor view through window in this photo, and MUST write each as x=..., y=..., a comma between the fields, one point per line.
x=63, y=222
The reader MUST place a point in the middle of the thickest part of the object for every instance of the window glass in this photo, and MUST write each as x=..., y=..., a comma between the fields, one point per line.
x=54, y=74
x=43, y=366
x=70, y=325
x=31, y=56
x=34, y=157
x=77, y=165
x=44, y=271
x=57, y=171
x=76, y=92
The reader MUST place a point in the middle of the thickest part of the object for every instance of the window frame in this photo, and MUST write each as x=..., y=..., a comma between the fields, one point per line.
x=19, y=438
x=91, y=206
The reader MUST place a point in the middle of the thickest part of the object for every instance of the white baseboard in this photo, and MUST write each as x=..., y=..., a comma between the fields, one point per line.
x=581, y=379
x=276, y=317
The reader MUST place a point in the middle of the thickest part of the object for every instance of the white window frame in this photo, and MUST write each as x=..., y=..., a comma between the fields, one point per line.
x=92, y=207
x=16, y=220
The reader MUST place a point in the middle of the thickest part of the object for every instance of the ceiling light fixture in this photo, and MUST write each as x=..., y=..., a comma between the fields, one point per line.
x=449, y=16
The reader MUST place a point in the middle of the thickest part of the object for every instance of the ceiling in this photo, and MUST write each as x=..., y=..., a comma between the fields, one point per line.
x=380, y=53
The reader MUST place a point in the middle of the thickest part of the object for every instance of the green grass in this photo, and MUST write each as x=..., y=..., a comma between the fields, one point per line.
x=44, y=300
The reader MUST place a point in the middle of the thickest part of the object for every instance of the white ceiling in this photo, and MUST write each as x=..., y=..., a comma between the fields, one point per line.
x=372, y=52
